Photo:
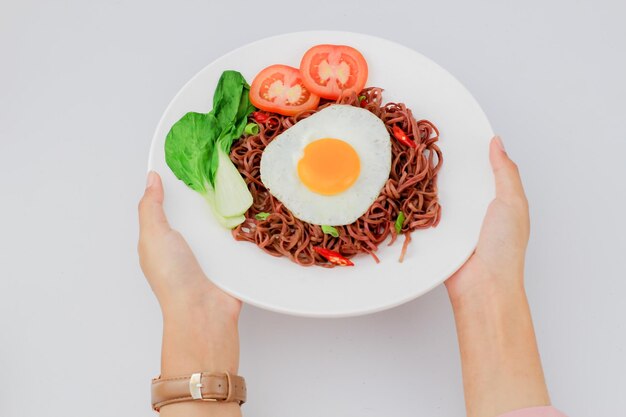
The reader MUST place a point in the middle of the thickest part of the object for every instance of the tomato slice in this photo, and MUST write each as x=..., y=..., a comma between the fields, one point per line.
x=279, y=89
x=328, y=70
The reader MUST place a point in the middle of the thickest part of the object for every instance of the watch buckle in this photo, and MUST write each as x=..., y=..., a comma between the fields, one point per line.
x=195, y=387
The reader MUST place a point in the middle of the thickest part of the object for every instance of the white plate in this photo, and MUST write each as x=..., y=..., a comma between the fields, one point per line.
x=465, y=188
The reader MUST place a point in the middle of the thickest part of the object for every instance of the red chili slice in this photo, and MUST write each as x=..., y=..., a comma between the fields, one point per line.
x=260, y=117
x=333, y=257
x=403, y=138
x=272, y=123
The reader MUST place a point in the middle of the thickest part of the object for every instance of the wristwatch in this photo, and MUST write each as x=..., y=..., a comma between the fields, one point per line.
x=202, y=386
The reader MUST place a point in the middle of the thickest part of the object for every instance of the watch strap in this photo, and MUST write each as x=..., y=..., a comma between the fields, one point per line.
x=203, y=386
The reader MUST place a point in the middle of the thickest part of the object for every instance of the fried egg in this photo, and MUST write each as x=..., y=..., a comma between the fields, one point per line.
x=329, y=168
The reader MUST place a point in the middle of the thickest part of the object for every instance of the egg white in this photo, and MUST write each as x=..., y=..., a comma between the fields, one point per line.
x=358, y=127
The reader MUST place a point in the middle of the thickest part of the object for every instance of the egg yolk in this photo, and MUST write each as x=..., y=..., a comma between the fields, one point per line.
x=329, y=166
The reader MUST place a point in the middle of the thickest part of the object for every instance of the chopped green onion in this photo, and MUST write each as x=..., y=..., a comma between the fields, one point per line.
x=361, y=98
x=399, y=222
x=329, y=230
x=261, y=216
x=251, y=129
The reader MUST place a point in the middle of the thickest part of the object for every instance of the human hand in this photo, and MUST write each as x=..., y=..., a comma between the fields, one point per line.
x=200, y=320
x=497, y=264
x=499, y=356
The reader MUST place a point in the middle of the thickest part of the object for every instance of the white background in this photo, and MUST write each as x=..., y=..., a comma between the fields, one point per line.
x=82, y=86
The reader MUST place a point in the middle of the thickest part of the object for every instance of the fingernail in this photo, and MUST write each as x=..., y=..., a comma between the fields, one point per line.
x=498, y=140
x=151, y=178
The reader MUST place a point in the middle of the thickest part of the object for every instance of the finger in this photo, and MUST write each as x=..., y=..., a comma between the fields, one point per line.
x=151, y=215
x=508, y=182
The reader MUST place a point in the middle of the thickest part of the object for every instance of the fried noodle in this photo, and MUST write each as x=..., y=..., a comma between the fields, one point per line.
x=411, y=188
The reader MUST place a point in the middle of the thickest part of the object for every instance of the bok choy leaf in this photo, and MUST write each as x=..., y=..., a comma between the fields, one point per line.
x=197, y=150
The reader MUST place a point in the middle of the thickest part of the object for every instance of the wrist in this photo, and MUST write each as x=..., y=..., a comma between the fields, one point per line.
x=500, y=292
x=201, y=409
x=477, y=283
x=200, y=335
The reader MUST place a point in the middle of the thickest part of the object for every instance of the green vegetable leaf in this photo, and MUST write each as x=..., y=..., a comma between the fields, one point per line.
x=188, y=147
x=227, y=97
x=197, y=150
x=245, y=107
x=232, y=84
x=224, y=141
x=399, y=222
x=329, y=230
x=231, y=103
x=262, y=215
x=251, y=129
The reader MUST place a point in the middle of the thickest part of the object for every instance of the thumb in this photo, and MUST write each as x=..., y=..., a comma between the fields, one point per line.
x=151, y=215
x=509, y=186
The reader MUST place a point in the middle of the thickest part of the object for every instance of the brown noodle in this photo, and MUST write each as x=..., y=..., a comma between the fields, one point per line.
x=411, y=188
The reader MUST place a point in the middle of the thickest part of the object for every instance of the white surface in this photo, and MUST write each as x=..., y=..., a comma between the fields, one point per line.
x=82, y=86
x=465, y=188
